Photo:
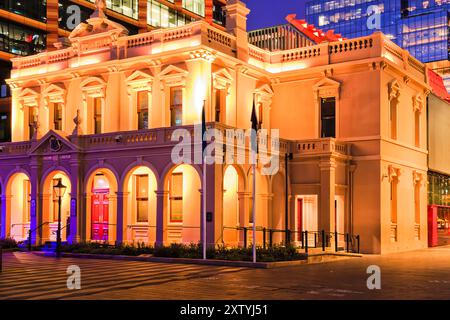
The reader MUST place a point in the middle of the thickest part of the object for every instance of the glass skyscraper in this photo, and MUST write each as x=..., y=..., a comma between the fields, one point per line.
x=420, y=26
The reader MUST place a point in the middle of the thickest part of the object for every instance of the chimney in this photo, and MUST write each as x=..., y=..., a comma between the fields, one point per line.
x=236, y=24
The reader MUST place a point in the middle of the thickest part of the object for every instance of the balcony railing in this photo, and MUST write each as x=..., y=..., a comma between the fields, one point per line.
x=199, y=30
x=320, y=146
x=149, y=138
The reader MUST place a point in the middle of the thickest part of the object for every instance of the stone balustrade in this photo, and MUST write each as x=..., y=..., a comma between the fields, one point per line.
x=201, y=33
x=149, y=138
x=321, y=146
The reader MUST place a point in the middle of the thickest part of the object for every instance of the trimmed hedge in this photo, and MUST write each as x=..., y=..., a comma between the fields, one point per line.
x=8, y=243
x=104, y=248
x=189, y=251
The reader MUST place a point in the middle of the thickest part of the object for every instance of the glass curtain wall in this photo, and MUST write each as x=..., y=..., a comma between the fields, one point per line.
x=438, y=189
x=420, y=26
x=128, y=8
x=34, y=9
x=20, y=40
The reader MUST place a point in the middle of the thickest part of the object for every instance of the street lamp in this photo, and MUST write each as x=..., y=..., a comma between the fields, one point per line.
x=58, y=190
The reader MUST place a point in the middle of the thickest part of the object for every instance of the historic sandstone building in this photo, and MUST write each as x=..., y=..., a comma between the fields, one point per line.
x=99, y=115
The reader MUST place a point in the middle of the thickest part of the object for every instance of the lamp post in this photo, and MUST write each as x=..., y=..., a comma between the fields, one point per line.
x=58, y=190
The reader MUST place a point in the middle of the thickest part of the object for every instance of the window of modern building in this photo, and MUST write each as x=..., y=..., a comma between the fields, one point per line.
x=5, y=127
x=196, y=6
x=218, y=13
x=4, y=90
x=141, y=198
x=97, y=115
x=438, y=189
x=32, y=118
x=57, y=116
x=328, y=117
x=5, y=73
x=176, y=197
x=20, y=40
x=142, y=109
x=176, y=106
x=159, y=15
x=128, y=8
x=36, y=9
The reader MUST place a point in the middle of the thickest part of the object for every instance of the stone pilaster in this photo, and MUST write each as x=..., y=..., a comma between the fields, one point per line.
x=161, y=218
x=327, y=195
x=121, y=225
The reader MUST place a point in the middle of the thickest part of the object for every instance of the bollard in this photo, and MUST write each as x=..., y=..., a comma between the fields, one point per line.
x=306, y=241
x=357, y=239
x=323, y=240
x=245, y=237
x=29, y=240
x=315, y=240
x=264, y=238
x=335, y=241
x=346, y=241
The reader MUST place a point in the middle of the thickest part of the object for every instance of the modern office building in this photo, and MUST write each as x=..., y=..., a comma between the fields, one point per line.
x=420, y=26
x=101, y=114
x=33, y=26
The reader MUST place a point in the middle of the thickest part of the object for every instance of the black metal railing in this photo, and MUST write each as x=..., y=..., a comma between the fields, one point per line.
x=30, y=232
x=307, y=239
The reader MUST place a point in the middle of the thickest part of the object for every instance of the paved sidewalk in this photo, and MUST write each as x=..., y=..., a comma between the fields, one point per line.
x=423, y=274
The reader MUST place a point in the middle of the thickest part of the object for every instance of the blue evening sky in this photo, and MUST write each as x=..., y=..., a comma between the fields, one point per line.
x=266, y=13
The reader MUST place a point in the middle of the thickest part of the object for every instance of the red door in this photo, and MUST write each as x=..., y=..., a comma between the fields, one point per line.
x=100, y=207
x=299, y=219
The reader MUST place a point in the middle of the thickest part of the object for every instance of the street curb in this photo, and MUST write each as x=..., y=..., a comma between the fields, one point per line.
x=318, y=258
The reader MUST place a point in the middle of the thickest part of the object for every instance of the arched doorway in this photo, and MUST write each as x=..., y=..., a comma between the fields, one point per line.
x=18, y=202
x=233, y=206
x=50, y=207
x=183, y=205
x=139, y=212
x=101, y=206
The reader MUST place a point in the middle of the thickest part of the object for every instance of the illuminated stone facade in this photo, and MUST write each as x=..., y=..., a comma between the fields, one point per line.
x=99, y=114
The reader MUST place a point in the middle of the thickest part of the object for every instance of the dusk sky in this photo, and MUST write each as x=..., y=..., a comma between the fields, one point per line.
x=267, y=13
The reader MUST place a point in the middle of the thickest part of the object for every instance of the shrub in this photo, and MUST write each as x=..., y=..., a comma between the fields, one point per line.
x=190, y=251
x=8, y=243
x=105, y=248
x=194, y=251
